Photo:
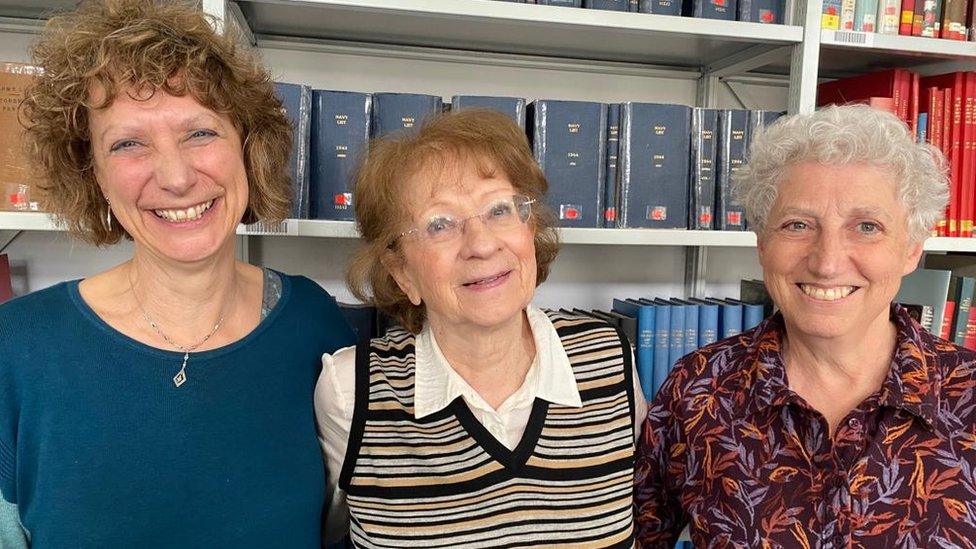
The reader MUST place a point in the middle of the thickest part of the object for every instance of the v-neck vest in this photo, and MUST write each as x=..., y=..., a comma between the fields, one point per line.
x=445, y=481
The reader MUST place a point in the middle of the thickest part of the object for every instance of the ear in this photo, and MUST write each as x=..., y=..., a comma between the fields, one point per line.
x=912, y=258
x=396, y=266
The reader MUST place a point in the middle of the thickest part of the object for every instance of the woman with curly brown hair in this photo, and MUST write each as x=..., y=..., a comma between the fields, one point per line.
x=166, y=402
x=484, y=421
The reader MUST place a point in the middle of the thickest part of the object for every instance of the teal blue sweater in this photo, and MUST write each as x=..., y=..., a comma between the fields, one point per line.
x=99, y=449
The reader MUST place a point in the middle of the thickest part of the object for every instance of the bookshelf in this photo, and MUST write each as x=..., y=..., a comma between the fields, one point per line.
x=501, y=48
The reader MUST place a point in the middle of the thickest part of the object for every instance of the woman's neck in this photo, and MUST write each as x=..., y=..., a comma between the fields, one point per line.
x=493, y=361
x=834, y=375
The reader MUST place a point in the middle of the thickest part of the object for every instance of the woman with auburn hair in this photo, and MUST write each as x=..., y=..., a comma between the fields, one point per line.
x=483, y=421
x=839, y=421
x=166, y=402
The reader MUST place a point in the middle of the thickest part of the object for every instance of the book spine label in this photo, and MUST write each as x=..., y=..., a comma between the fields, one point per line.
x=907, y=17
x=888, y=16
x=847, y=9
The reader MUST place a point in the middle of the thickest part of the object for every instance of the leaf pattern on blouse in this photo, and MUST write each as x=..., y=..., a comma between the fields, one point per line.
x=731, y=451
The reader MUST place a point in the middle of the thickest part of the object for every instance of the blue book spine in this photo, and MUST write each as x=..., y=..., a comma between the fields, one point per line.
x=661, y=7
x=707, y=324
x=645, y=341
x=564, y=3
x=704, y=138
x=401, y=111
x=752, y=315
x=733, y=126
x=691, y=327
x=676, y=347
x=569, y=143
x=633, y=6
x=730, y=319
x=922, y=127
x=614, y=5
x=297, y=101
x=340, y=135
x=610, y=179
x=711, y=9
x=654, y=167
x=662, y=348
x=761, y=11
x=514, y=107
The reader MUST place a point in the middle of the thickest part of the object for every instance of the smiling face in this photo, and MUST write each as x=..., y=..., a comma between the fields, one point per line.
x=835, y=248
x=173, y=171
x=483, y=278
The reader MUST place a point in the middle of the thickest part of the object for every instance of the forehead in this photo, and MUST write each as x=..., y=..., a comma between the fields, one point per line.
x=840, y=189
x=452, y=179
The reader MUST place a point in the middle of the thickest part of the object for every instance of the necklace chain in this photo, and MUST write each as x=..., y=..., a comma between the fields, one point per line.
x=180, y=377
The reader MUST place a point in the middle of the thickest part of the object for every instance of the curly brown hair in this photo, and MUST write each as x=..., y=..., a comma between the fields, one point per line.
x=139, y=47
x=492, y=141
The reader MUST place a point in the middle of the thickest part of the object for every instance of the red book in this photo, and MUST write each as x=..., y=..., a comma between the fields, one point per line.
x=882, y=103
x=914, y=103
x=6, y=291
x=934, y=104
x=907, y=17
x=944, y=330
x=947, y=149
x=967, y=189
x=952, y=136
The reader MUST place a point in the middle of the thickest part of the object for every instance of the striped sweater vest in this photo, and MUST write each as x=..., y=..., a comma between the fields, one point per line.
x=444, y=481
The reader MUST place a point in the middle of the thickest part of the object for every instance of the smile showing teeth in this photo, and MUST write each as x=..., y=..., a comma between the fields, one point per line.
x=189, y=214
x=827, y=294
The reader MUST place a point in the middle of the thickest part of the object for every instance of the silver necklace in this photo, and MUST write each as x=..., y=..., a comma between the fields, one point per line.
x=180, y=377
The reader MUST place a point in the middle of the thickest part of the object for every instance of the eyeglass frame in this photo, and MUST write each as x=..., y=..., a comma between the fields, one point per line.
x=462, y=222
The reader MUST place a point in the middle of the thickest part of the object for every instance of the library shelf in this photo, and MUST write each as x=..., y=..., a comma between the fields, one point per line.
x=855, y=52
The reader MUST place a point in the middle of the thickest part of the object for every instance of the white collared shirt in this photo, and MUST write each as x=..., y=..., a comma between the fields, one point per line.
x=436, y=385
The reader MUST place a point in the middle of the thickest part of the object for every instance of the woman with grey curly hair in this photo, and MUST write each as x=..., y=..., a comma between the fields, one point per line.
x=838, y=421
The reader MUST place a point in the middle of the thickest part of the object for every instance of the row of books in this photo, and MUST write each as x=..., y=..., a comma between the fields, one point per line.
x=664, y=330
x=630, y=164
x=940, y=297
x=941, y=110
x=757, y=11
x=948, y=19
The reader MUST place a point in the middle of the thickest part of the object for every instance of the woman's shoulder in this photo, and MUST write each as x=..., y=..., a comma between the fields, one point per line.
x=32, y=308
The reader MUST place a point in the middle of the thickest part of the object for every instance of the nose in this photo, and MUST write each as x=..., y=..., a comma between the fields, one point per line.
x=174, y=171
x=828, y=254
x=477, y=239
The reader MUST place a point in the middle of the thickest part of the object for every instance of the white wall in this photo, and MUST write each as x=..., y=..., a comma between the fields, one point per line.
x=583, y=275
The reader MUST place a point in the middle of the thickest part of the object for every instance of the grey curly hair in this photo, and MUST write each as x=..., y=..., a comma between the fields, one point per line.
x=841, y=135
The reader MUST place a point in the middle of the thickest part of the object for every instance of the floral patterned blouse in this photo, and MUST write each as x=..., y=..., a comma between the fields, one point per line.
x=731, y=451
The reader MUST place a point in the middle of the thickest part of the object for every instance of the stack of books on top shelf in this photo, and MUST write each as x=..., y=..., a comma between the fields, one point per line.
x=947, y=19
x=757, y=11
x=634, y=165
x=664, y=330
x=940, y=297
x=940, y=110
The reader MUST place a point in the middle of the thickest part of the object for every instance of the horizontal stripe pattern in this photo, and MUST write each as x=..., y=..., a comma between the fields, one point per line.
x=442, y=481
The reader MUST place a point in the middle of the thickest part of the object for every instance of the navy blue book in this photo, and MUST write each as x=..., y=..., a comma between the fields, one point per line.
x=761, y=11
x=707, y=322
x=565, y=3
x=514, y=107
x=633, y=6
x=340, y=135
x=401, y=111
x=297, y=101
x=610, y=193
x=614, y=5
x=569, y=143
x=729, y=317
x=654, y=165
x=710, y=9
x=661, y=7
x=733, y=128
x=644, y=348
x=759, y=119
x=691, y=324
x=704, y=138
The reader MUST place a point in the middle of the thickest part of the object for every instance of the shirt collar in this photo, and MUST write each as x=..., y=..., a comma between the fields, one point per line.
x=912, y=383
x=436, y=384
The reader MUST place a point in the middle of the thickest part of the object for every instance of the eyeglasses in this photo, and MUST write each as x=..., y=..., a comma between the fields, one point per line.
x=499, y=214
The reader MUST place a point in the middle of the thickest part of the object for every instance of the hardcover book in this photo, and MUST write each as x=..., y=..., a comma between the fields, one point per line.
x=611, y=198
x=340, y=135
x=514, y=107
x=644, y=348
x=929, y=288
x=830, y=15
x=654, y=168
x=691, y=324
x=707, y=322
x=732, y=134
x=710, y=9
x=297, y=102
x=704, y=139
x=613, y=5
x=760, y=11
x=569, y=143
x=661, y=7
x=564, y=3
x=401, y=111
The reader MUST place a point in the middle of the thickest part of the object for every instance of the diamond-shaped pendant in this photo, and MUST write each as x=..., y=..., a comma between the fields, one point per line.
x=179, y=378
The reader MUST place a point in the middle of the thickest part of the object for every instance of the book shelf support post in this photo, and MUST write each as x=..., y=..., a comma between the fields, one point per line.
x=695, y=271
x=6, y=237
x=804, y=62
